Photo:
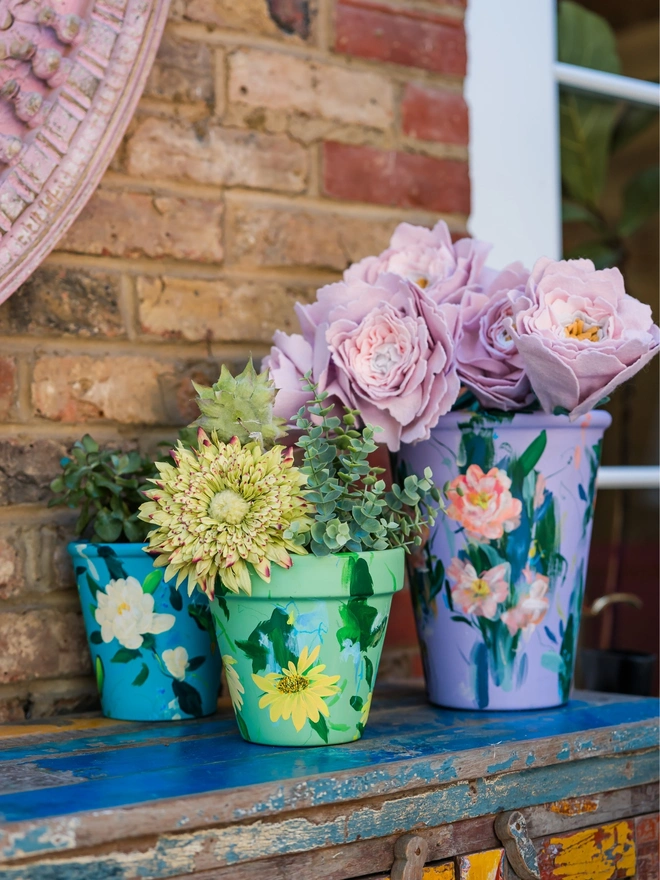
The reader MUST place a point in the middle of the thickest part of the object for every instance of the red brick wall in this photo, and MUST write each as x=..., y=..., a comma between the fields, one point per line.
x=276, y=142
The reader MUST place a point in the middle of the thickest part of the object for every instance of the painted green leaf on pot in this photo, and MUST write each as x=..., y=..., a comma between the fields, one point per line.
x=142, y=675
x=125, y=655
x=152, y=582
x=594, y=461
x=356, y=703
x=114, y=564
x=100, y=674
x=320, y=726
x=532, y=455
x=242, y=726
x=149, y=642
x=195, y=662
x=188, y=697
x=361, y=582
x=368, y=671
x=477, y=446
x=552, y=661
x=358, y=618
x=94, y=588
x=95, y=637
x=176, y=599
x=277, y=631
x=202, y=616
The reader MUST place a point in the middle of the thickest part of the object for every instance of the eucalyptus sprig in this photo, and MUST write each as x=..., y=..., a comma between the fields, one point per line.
x=105, y=486
x=354, y=509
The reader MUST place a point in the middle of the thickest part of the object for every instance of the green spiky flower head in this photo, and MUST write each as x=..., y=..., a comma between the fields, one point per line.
x=223, y=509
x=240, y=407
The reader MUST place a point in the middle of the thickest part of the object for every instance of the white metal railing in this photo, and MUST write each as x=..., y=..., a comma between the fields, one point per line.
x=628, y=477
x=610, y=84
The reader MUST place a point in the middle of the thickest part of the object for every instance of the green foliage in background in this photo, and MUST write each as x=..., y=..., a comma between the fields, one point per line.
x=592, y=129
x=105, y=486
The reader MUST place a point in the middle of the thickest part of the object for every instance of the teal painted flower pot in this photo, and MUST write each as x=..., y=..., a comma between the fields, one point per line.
x=153, y=647
x=301, y=653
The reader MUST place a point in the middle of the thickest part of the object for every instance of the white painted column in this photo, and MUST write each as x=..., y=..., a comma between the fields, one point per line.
x=514, y=128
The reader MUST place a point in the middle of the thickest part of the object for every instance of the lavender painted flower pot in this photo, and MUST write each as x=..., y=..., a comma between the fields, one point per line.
x=498, y=591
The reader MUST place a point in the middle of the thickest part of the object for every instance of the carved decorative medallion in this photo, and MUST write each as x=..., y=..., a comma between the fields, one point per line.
x=71, y=73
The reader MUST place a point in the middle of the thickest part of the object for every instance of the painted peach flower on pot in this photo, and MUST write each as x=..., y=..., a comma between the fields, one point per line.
x=482, y=502
x=579, y=334
x=531, y=608
x=481, y=593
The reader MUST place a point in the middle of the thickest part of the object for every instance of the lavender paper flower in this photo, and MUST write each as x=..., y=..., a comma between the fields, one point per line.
x=487, y=359
x=429, y=259
x=579, y=334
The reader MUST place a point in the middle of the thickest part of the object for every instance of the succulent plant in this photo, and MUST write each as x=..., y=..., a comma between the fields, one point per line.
x=106, y=486
x=354, y=510
x=221, y=506
x=240, y=406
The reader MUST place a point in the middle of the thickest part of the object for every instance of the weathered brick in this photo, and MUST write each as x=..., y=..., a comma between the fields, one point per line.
x=125, y=224
x=56, y=301
x=8, y=385
x=434, y=115
x=182, y=72
x=277, y=81
x=42, y=643
x=223, y=311
x=48, y=566
x=276, y=18
x=409, y=37
x=82, y=388
x=393, y=178
x=11, y=569
x=27, y=467
x=277, y=236
x=215, y=155
x=42, y=699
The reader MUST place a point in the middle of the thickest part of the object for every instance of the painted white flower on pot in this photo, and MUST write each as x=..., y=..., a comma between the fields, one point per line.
x=126, y=613
x=176, y=661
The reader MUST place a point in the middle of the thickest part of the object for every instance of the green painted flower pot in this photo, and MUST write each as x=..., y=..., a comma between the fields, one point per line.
x=301, y=653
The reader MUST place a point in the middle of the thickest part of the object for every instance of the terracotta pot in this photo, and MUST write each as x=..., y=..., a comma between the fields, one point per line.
x=499, y=592
x=301, y=653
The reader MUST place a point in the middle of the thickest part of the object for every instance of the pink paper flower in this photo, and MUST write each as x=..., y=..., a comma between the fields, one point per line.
x=290, y=359
x=483, y=504
x=429, y=259
x=531, y=608
x=383, y=349
x=478, y=594
x=579, y=334
x=487, y=359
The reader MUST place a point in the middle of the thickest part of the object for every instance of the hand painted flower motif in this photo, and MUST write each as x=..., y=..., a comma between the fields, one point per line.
x=429, y=259
x=383, y=348
x=532, y=608
x=539, y=491
x=478, y=594
x=221, y=507
x=487, y=359
x=298, y=691
x=366, y=708
x=234, y=684
x=579, y=334
x=125, y=613
x=483, y=504
x=176, y=662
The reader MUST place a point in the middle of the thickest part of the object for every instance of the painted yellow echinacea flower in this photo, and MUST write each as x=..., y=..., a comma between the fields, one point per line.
x=297, y=692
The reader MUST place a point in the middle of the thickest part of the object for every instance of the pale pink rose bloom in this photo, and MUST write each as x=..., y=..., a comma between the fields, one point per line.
x=383, y=349
x=531, y=608
x=487, y=359
x=579, y=334
x=483, y=504
x=429, y=259
x=478, y=594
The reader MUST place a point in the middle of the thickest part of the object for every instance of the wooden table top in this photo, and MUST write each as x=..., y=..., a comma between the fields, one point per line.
x=79, y=782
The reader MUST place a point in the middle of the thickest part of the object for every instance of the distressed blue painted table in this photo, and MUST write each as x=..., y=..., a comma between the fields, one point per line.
x=88, y=798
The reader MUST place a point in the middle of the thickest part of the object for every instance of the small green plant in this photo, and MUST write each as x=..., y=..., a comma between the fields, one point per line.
x=354, y=510
x=105, y=485
x=240, y=406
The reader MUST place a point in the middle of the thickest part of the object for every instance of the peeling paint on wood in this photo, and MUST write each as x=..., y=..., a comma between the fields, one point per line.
x=482, y=866
x=575, y=806
x=603, y=853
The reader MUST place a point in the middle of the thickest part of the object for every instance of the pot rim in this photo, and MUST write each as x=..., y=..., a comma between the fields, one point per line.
x=598, y=419
x=128, y=549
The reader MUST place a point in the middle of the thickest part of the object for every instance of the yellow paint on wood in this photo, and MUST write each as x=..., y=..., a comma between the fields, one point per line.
x=602, y=853
x=60, y=726
x=575, y=806
x=482, y=866
x=438, y=872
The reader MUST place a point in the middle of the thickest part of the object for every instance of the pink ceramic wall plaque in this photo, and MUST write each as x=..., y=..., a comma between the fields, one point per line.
x=71, y=73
